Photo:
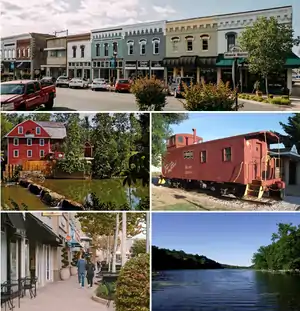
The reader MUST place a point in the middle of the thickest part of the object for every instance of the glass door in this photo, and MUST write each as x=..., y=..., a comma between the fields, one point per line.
x=13, y=260
x=48, y=274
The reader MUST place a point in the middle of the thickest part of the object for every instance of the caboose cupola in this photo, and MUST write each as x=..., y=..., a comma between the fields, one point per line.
x=181, y=140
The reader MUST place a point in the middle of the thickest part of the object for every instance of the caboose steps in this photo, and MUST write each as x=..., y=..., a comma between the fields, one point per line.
x=254, y=190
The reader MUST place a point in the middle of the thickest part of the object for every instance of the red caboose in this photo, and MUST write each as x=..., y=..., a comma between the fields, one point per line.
x=239, y=164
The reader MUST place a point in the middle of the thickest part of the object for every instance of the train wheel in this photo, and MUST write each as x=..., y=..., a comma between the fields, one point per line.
x=240, y=191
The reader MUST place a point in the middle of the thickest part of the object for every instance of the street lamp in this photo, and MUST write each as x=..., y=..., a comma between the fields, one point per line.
x=115, y=53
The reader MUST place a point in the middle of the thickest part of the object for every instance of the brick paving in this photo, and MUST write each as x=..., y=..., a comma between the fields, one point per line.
x=62, y=295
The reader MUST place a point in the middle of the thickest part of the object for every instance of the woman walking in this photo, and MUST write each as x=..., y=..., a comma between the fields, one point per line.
x=90, y=272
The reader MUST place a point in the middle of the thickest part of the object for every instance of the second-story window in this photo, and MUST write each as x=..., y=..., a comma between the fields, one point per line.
x=13, y=53
x=9, y=53
x=155, y=43
x=23, y=53
x=189, y=43
x=204, y=39
x=115, y=47
x=82, y=47
x=143, y=43
x=175, y=42
x=105, y=49
x=29, y=141
x=130, y=47
x=230, y=40
x=19, y=53
x=5, y=53
x=97, y=49
x=74, y=51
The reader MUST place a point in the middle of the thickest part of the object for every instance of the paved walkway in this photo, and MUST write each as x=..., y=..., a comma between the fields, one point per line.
x=63, y=295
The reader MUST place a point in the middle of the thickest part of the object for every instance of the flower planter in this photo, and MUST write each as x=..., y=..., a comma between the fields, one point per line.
x=258, y=93
x=73, y=270
x=65, y=274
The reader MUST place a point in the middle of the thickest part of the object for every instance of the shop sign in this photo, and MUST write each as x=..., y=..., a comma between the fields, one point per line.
x=156, y=64
x=143, y=64
x=130, y=64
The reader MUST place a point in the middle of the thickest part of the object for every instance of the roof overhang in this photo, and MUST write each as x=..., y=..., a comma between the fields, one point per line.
x=269, y=136
x=286, y=154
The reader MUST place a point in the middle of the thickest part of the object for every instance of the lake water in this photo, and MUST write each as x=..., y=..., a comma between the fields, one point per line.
x=225, y=290
x=78, y=190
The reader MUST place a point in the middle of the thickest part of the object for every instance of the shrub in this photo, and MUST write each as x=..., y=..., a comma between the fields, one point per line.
x=252, y=97
x=106, y=291
x=75, y=259
x=276, y=101
x=270, y=96
x=133, y=285
x=248, y=97
x=285, y=101
x=209, y=97
x=149, y=94
x=265, y=101
x=259, y=93
x=259, y=99
x=64, y=256
x=139, y=247
x=285, y=96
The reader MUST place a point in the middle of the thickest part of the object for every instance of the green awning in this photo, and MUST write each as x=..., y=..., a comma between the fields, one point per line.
x=227, y=62
x=293, y=61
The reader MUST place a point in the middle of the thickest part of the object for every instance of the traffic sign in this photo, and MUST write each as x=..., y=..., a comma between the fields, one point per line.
x=68, y=238
x=236, y=55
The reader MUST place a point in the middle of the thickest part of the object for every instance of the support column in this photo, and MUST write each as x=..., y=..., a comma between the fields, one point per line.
x=75, y=73
x=166, y=75
x=118, y=74
x=289, y=83
x=241, y=80
x=181, y=71
x=23, y=255
x=219, y=75
x=174, y=72
x=99, y=72
x=198, y=74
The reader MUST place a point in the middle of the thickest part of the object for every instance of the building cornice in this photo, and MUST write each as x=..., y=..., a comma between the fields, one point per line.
x=145, y=28
x=192, y=25
x=79, y=37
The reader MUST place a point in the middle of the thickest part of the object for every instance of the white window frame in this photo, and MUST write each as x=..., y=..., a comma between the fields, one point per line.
x=28, y=52
x=42, y=153
x=28, y=140
x=207, y=38
x=189, y=39
x=130, y=44
x=28, y=154
x=13, y=53
x=38, y=130
x=20, y=129
x=14, y=153
x=23, y=53
x=142, y=43
x=40, y=142
x=155, y=40
x=16, y=139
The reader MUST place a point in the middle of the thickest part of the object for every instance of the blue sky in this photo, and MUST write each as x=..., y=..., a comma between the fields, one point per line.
x=79, y=16
x=211, y=126
x=229, y=238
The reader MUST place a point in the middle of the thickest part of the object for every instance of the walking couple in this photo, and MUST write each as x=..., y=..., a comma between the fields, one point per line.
x=88, y=267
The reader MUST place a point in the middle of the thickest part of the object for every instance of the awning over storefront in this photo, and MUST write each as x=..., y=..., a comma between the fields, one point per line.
x=16, y=220
x=207, y=62
x=170, y=62
x=189, y=61
x=40, y=232
x=292, y=61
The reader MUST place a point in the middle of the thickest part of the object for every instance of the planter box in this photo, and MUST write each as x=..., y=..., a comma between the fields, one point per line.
x=112, y=278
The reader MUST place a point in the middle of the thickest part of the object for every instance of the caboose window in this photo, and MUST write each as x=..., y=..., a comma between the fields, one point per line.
x=180, y=139
x=227, y=154
x=188, y=154
x=203, y=156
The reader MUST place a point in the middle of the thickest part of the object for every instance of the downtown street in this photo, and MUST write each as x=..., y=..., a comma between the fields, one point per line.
x=87, y=100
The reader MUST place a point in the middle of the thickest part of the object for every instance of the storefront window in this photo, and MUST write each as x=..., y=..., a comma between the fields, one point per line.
x=14, y=260
x=27, y=261
x=48, y=276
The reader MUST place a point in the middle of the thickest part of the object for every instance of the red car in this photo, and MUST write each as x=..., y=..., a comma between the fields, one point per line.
x=27, y=95
x=123, y=86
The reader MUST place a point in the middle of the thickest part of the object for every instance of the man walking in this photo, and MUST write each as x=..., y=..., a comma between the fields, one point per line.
x=90, y=268
x=81, y=265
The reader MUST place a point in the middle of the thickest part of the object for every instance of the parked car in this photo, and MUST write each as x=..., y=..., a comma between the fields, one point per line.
x=123, y=86
x=26, y=95
x=99, y=84
x=176, y=86
x=78, y=83
x=49, y=78
x=62, y=81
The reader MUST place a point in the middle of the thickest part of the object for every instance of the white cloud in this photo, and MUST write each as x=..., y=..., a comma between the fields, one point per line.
x=77, y=16
x=164, y=11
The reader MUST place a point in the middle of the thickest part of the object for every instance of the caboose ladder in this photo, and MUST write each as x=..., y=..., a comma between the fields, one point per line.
x=255, y=189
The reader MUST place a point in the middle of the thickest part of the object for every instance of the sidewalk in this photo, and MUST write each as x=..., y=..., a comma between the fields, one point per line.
x=63, y=295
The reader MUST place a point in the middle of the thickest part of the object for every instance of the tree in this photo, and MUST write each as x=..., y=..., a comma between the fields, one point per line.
x=41, y=116
x=138, y=247
x=161, y=130
x=292, y=128
x=268, y=43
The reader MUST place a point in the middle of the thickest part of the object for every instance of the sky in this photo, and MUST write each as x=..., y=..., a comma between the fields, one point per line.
x=228, y=238
x=80, y=16
x=211, y=126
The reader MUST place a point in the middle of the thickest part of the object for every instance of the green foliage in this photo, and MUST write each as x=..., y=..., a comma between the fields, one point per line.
x=106, y=291
x=133, y=285
x=72, y=163
x=149, y=94
x=165, y=259
x=64, y=256
x=268, y=43
x=139, y=247
x=292, y=129
x=282, y=253
x=285, y=101
x=75, y=259
x=209, y=97
x=161, y=131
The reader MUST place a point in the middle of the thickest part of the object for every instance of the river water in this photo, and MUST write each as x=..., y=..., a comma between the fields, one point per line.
x=78, y=190
x=225, y=290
